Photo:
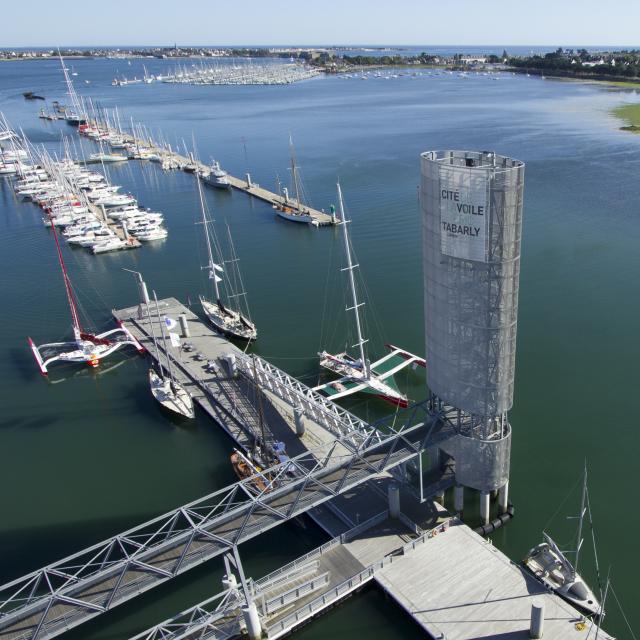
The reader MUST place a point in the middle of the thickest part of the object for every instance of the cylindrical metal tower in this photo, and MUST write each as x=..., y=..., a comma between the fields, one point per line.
x=472, y=222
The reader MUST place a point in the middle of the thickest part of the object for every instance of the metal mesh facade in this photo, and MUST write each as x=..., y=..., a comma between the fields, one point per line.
x=471, y=303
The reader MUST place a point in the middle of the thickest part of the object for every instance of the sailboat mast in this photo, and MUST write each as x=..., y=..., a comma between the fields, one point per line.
x=164, y=339
x=352, y=283
x=211, y=265
x=155, y=342
x=67, y=285
x=580, y=520
x=70, y=90
x=263, y=442
x=294, y=174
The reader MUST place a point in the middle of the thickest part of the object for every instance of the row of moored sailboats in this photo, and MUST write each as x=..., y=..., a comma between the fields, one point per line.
x=90, y=211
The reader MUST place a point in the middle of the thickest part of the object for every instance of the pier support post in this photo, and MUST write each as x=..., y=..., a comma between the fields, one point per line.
x=184, y=325
x=458, y=499
x=249, y=185
x=393, y=493
x=536, y=629
x=144, y=292
x=503, y=498
x=484, y=506
x=252, y=620
x=298, y=418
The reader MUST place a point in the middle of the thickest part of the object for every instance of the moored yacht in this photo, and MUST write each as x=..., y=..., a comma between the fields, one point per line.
x=217, y=177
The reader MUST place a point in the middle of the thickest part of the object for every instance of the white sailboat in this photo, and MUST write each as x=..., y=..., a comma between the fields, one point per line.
x=552, y=567
x=229, y=320
x=293, y=210
x=165, y=388
x=74, y=115
x=85, y=347
x=359, y=374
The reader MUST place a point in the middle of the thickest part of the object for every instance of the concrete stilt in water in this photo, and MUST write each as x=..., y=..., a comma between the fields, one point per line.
x=503, y=498
x=435, y=463
x=484, y=506
x=536, y=629
x=298, y=418
x=184, y=325
x=252, y=620
x=458, y=499
x=393, y=493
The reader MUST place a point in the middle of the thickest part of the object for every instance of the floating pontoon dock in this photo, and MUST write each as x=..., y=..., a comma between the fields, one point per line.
x=452, y=582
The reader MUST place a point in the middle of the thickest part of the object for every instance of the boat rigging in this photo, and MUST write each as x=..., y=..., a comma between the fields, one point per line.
x=359, y=374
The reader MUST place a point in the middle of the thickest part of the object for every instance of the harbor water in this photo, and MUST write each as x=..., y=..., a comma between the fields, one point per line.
x=88, y=454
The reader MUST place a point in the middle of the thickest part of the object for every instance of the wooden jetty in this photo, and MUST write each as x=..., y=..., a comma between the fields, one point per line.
x=453, y=583
x=320, y=218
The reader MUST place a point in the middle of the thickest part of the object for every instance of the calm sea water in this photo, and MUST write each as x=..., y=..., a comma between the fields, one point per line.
x=85, y=457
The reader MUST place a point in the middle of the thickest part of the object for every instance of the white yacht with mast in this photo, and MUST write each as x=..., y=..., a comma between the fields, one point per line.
x=552, y=567
x=230, y=318
x=85, y=347
x=75, y=114
x=165, y=388
x=293, y=210
x=358, y=374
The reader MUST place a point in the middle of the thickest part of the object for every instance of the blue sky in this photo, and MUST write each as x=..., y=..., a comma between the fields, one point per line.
x=464, y=22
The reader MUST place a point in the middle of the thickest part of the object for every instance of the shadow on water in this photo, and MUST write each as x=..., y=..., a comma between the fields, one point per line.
x=28, y=549
x=22, y=363
x=40, y=422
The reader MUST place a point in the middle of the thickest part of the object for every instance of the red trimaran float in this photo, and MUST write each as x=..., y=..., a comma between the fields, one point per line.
x=86, y=347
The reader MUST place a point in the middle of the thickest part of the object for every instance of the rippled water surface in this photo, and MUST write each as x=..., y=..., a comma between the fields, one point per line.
x=86, y=457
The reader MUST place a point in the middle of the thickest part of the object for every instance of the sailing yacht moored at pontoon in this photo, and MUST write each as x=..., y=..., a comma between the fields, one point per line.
x=293, y=210
x=228, y=317
x=164, y=387
x=358, y=374
x=551, y=566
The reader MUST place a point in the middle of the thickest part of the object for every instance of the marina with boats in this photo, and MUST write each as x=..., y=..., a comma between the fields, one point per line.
x=295, y=450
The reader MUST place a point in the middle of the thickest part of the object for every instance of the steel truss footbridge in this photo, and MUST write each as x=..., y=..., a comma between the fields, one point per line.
x=64, y=594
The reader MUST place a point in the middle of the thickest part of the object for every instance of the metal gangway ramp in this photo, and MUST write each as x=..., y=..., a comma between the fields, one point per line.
x=64, y=594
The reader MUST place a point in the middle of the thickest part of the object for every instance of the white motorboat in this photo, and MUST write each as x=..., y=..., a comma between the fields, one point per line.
x=96, y=237
x=95, y=193
x=115, y=200
x=81, y=229
x=107, y=157
x=230, y=321
x=110, y=244
x=155, y=233
x=217, y=177
x=551, y=566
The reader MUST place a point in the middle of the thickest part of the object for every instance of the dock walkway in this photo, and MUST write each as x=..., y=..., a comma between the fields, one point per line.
x=452, y=582
x=455, y=585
